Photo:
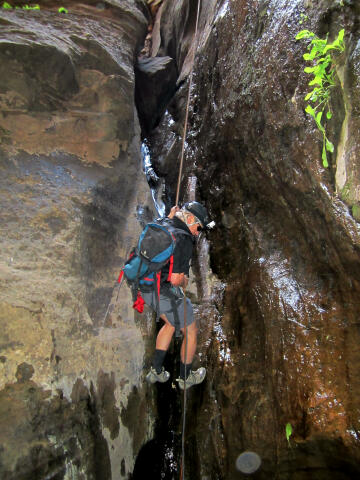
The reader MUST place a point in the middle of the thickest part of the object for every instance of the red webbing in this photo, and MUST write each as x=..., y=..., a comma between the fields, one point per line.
x=171, y=267
x=158, y=276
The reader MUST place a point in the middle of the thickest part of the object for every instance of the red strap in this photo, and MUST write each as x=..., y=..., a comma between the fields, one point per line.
x=171, y=267
x=148, y=279
x=120, y=276
x=158, y=276
x=139, y=303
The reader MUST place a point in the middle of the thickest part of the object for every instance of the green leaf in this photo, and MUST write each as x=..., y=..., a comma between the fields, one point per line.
x=63, y=10
x=329, y=115
x=304, y=34
x=341, y=35
x=288, y=432
x=316, y=81
x=318, y=122
x=310, y=94
x=313, y=53
x=319, y=42
x=331, y=46
x=329, y=146
x=310, y=111
x=6, y=5
x=324, y=157
x=309, y=69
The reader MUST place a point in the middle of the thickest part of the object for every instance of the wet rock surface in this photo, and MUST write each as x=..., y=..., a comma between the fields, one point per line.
x=280, y=335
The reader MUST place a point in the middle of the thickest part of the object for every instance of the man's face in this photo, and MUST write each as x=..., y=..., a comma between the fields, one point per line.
x=192, y=226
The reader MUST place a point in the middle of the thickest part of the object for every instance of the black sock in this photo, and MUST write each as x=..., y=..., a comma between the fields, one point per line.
x=158, y=359
x=185, y=370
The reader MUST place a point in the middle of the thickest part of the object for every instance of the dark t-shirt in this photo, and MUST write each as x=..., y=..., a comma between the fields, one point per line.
x=182, y=252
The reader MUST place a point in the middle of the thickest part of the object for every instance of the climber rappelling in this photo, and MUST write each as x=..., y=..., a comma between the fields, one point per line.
x=158, y=273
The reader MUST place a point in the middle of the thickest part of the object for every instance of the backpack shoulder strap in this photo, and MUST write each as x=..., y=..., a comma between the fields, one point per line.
x=166, y=222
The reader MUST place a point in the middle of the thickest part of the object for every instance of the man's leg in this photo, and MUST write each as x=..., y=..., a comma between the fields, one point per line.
x=163, y=340
x=165, y=334
x=189, y=343
x=191, y=338
x=157, y=372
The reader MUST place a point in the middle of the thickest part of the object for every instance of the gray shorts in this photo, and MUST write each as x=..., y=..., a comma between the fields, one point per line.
x=169, y=307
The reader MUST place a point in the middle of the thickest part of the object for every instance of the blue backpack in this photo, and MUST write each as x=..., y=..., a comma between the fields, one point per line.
x=155, y=249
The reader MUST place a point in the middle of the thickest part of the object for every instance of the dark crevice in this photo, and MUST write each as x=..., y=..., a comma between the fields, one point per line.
x=160, y=458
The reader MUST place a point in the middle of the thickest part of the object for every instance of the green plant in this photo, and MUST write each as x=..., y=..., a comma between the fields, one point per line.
x=288, y=432
x=63, y=10
x=303, y=18
x=25, y=7
x=323, y=71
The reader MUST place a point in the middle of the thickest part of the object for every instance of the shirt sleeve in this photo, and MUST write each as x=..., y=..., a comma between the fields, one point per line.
x=182, y=255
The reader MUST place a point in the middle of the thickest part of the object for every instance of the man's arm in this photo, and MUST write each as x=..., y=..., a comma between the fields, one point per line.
x=179, y=280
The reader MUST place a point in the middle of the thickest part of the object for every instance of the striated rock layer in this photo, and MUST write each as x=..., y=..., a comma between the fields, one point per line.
x=281, y=335
x=71, y=185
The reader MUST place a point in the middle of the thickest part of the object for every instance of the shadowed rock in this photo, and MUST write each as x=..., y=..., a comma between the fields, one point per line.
x=155, y=85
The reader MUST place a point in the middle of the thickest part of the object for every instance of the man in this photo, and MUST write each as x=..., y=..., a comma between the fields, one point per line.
x=191, y=218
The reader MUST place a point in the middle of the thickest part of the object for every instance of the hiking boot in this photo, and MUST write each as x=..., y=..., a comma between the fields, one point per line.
x=194, y=378
x=153, y=376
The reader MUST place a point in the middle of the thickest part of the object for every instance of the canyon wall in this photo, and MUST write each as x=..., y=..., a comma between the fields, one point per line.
x=71, y=382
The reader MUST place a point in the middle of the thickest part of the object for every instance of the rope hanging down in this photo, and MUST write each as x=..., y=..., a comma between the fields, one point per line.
x=182, y=466
x=187, y=107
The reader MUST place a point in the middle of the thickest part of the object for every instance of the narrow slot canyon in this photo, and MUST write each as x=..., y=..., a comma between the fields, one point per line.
x=93, y=100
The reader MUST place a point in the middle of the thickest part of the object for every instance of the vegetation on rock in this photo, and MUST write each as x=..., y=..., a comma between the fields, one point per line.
x=7, y=6
x=323, y=70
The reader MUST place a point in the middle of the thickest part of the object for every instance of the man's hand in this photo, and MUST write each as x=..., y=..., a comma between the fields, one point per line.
x=179, y=280
x=173, y=211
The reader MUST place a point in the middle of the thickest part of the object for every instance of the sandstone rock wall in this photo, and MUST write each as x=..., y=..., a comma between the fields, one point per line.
x=71, y=186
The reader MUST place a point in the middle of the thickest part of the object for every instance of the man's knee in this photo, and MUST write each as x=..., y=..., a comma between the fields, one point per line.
x=192, y=329
x=166, y=322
